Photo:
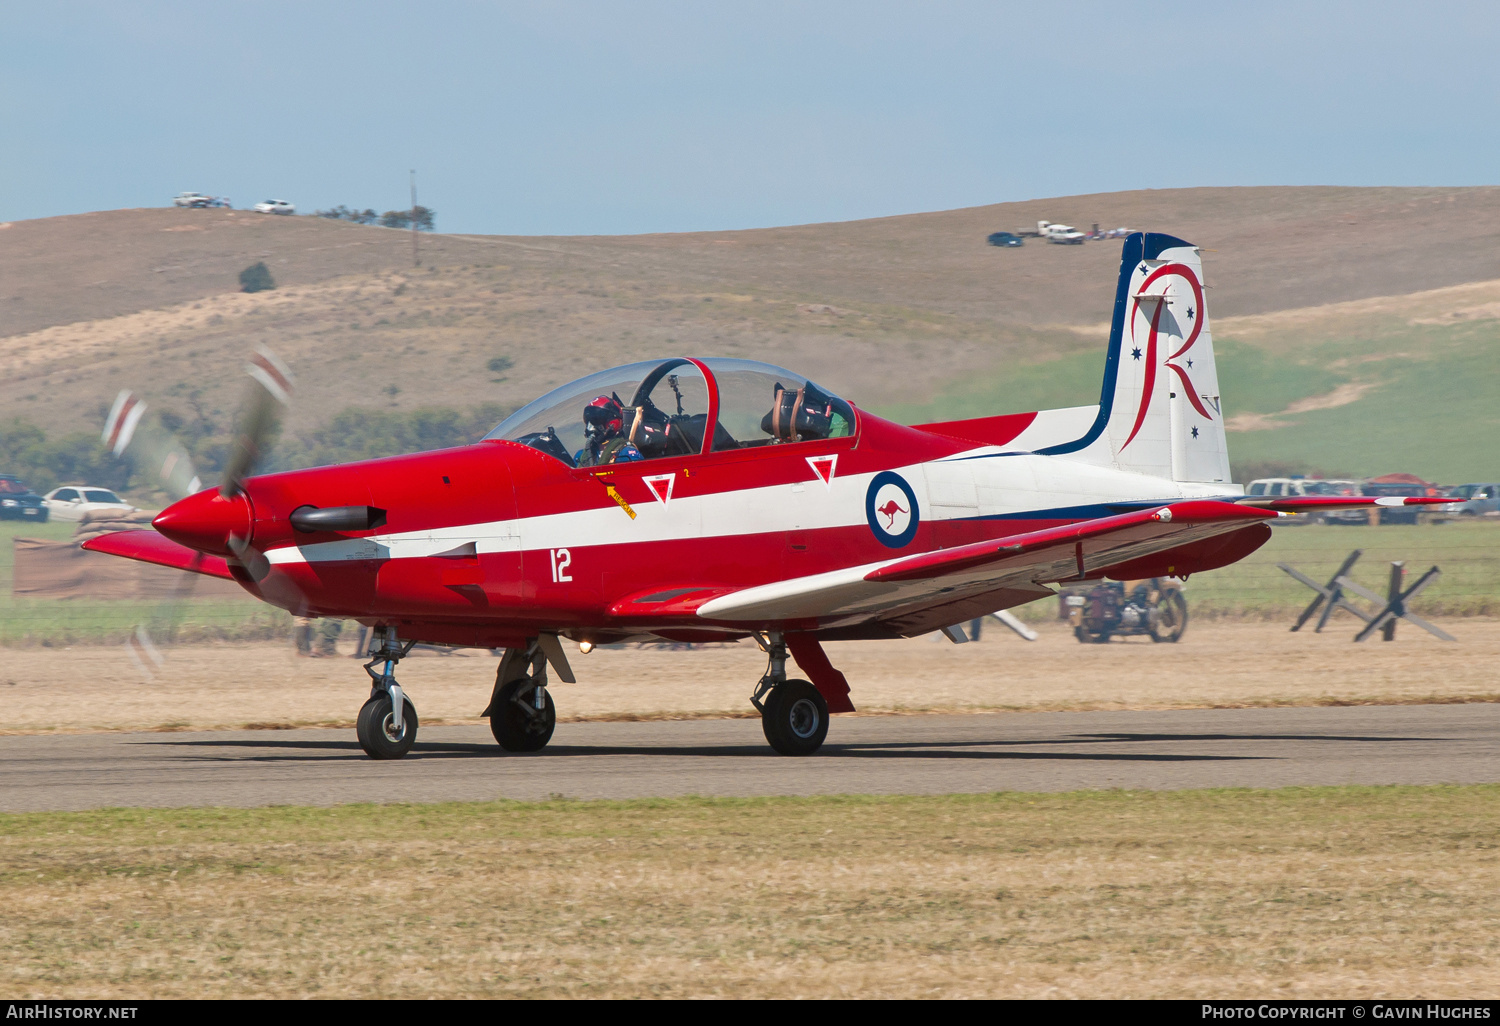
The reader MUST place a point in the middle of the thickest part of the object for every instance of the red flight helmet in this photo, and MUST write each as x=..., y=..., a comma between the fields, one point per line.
x=603, y=418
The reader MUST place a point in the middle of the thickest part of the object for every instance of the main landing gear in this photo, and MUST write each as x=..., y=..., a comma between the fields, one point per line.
x=521, y=714
x=793, y=713
x=387, y=724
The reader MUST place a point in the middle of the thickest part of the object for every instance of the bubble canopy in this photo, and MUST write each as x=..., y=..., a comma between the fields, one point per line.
x=671, y=406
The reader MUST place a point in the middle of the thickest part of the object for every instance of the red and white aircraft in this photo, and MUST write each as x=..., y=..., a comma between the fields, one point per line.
x=765, y=506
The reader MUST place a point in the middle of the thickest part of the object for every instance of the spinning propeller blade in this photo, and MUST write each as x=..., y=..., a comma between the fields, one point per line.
x=270, y=391
x=157, y=452
x=150, y=447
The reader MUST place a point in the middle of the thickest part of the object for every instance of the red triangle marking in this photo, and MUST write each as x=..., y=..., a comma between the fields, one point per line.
x=661, y=486
x=824, y=466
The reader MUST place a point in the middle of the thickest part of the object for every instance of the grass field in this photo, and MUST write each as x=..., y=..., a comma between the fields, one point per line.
x=1308, y=893
x=56, y=622
x=1467, y=553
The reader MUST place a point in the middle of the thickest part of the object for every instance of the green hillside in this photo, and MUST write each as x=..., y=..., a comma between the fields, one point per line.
x=1425, y=397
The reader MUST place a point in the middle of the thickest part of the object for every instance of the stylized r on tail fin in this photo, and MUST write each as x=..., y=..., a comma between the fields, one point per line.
x=1159, y=412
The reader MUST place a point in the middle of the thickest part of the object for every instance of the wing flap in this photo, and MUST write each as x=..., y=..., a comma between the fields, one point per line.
x=150, y=547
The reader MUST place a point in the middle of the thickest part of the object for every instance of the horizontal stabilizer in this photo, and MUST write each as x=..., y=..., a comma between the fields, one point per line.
x=150, y=547
x=1303, y=503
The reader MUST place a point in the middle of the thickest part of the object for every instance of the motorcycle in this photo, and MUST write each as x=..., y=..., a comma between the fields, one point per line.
x=1155, y=607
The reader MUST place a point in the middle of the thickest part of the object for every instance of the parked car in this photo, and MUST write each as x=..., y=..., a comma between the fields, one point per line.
x=1474, y=500
x=17, y=502
x=71, y=502
x=1062, y=234
x=1312, y=486
x=191, y=199
x=274, y=207
x=1399, y=484
x=1278, y=486
x=1005, y=239
x=1283, y=486
x=1338, y=486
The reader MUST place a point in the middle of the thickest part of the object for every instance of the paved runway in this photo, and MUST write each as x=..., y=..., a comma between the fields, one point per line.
x=866, y=755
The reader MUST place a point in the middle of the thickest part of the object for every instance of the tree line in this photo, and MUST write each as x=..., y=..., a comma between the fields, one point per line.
x=355, y=433
x=425, y=217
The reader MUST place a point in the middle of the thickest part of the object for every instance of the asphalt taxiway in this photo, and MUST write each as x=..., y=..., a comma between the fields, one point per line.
x=864, y=755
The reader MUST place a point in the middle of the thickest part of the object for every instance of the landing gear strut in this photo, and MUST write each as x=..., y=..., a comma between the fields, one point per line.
x=793, y=714
x=387, y=724
x=522, y=716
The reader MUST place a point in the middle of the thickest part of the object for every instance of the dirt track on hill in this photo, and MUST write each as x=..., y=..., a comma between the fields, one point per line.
x=1275, y=248
x=1216, y=665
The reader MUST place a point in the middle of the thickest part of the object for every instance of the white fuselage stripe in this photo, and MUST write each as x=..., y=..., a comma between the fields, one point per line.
x=1000, y=487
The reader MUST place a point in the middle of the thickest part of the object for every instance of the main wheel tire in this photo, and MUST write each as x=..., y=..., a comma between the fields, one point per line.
x=513, y=728
x=1171, y=617
x=795, y=719
x=1088, y=637
x=376, y=728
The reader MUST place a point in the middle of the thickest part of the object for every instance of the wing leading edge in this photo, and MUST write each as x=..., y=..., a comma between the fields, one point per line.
x=1018, y=566
x=150, y=547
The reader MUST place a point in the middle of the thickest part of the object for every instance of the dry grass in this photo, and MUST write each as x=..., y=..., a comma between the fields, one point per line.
x=1218, y=664
x=886, y=311
x=1337, y=892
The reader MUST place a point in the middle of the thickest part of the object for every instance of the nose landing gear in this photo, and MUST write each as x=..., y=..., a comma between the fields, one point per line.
x=387, y=724
x=793, y=714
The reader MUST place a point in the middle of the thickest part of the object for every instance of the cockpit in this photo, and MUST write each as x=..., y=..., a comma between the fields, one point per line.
x=678, y=407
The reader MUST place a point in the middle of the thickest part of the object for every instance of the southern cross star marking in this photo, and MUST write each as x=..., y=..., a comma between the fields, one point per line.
x=1190, y=313
x=1135, y=354
x=1190, y=364
x=1144, y=268
x=1195, y=432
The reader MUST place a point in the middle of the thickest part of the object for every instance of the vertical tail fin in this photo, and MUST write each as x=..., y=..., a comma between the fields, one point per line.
x=1159, y=412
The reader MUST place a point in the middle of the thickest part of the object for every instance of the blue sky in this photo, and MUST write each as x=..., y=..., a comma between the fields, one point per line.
x=569, y=118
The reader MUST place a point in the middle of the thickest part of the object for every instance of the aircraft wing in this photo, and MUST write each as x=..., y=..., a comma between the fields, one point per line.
x=1308, y=503
x=1006, y=571
x=149, y=547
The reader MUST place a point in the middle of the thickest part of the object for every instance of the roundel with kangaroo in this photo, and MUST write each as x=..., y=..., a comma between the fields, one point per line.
x=891, y=508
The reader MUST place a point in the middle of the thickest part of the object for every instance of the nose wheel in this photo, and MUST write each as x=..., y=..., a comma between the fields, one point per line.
x=379, y=734
x=387, y=723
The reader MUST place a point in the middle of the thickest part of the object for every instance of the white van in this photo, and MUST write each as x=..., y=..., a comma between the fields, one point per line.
x=1313, y=486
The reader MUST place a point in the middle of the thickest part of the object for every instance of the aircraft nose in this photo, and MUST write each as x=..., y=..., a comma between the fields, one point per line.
x=206, y=520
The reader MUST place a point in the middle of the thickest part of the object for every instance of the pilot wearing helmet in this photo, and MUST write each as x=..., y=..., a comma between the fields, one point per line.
x=604, y=426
